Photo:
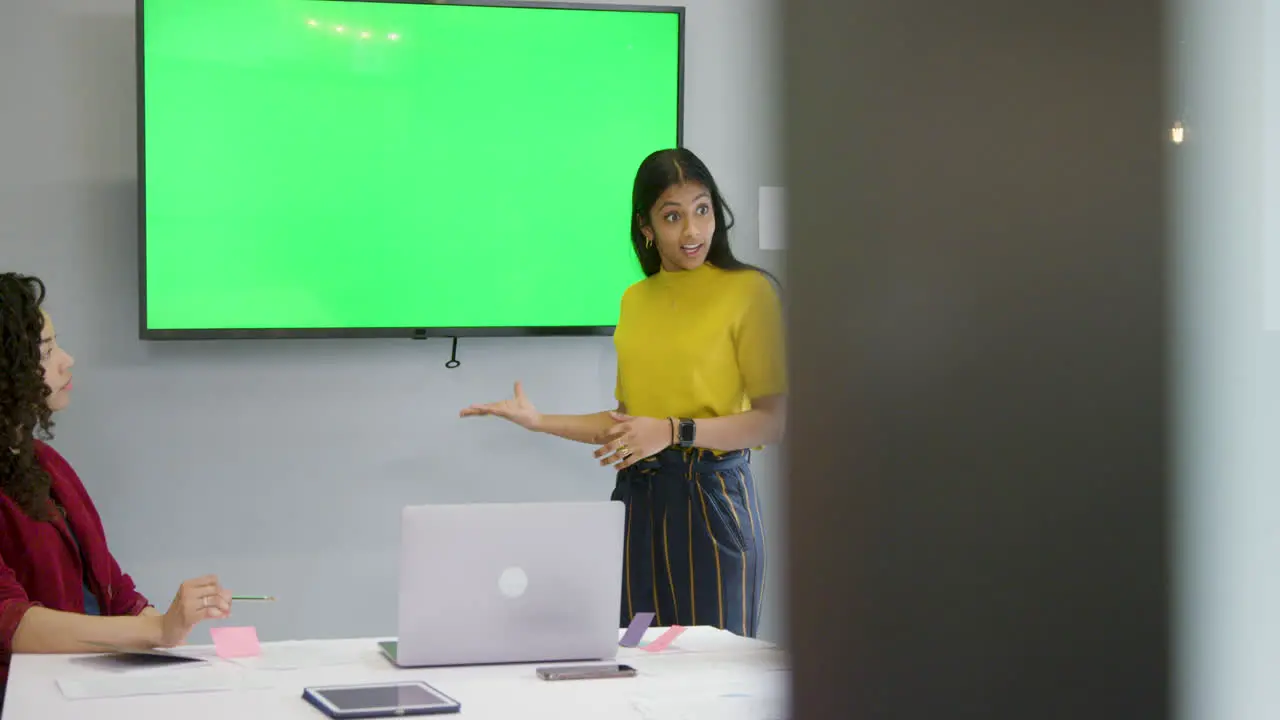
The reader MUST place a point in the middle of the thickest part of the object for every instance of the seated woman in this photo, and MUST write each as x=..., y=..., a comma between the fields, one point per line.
x=61, y=590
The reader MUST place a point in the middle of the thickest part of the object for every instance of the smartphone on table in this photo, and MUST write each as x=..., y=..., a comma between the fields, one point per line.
x=586, y=672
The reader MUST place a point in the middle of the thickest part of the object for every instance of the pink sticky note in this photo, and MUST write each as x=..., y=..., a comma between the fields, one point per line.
x=662, y=641
x=235, y=642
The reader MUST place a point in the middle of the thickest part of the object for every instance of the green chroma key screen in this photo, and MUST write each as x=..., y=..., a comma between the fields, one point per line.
x=325, y=165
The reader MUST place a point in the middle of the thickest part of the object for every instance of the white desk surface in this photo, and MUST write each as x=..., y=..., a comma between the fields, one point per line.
x=707, y=674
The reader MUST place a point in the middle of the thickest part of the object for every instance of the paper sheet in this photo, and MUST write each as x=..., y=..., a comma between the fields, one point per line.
x=298, y=656
x=709, y=639
x=132, y=663
x=122, y=655
x=742, y=703
x=158, y=683
x=685, y=673
x=703, y=639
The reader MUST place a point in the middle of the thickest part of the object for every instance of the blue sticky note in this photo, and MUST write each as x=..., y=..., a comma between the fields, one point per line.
x=635, y=631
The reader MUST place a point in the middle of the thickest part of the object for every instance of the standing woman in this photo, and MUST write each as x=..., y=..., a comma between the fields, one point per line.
x=61, y=590
x=701, y=381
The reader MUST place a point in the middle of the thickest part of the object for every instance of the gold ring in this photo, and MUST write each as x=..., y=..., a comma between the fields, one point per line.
x=626, y=451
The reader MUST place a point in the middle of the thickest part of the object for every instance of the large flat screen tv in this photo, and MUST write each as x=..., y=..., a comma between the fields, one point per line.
x=330, y=168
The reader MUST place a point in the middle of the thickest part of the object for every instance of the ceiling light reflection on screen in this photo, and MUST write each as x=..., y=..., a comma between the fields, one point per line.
x=342, y=30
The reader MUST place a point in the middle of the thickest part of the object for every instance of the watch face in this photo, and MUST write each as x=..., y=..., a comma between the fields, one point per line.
x=686, y=431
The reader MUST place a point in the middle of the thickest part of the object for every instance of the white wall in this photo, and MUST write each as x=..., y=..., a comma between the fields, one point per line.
x=1227, y=194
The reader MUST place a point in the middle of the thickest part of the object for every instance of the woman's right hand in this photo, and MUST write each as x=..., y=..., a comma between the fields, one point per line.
x=199, y=599
x=517, y=409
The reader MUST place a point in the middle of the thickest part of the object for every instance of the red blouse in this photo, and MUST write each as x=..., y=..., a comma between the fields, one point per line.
x=41, y=563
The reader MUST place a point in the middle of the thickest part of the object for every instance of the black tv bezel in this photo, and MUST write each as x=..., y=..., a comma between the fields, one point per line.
x=417, y=333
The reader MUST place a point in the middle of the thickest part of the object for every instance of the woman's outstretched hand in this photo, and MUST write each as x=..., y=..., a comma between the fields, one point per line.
x=517, y=409
x=200, y=599
x=633, y=439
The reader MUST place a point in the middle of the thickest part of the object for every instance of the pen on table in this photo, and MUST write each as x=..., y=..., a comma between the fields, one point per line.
x=251, y=598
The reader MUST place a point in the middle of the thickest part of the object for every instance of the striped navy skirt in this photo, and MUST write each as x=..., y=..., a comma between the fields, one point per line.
x=694, y=540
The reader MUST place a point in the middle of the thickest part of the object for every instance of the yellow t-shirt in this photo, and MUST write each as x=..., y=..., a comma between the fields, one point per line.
x=699, y=343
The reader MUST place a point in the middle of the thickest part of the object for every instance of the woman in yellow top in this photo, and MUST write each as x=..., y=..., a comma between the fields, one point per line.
x=701, y=381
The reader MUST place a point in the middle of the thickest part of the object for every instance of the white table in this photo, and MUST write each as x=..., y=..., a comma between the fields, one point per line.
x=707, y=674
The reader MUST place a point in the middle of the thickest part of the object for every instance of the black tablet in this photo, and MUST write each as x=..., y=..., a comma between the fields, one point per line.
x=380, y=700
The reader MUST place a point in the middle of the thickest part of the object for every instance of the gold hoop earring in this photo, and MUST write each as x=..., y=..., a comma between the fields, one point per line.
x=648, y=241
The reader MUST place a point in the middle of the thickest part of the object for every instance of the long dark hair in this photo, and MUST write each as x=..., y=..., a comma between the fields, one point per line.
x=24, y=396
x=664, y=169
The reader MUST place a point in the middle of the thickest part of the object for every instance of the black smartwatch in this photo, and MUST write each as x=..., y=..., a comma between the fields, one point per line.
x=686, y=433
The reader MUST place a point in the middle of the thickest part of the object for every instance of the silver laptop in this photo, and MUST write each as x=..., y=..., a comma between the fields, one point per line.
x=508, y=583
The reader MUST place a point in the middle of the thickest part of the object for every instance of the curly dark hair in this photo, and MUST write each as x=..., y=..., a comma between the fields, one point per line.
x=24, y=397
